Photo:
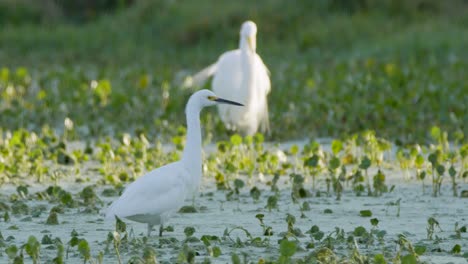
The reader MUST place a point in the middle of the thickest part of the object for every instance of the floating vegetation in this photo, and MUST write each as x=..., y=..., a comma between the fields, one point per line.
x=320, y=184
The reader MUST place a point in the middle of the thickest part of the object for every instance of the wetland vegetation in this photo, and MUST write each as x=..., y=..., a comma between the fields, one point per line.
x=366, y=163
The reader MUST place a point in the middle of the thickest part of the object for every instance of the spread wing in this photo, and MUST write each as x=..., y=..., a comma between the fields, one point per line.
x=200, y=78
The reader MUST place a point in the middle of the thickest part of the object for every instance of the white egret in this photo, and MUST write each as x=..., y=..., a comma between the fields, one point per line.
x=154, y=197
x=241, y=75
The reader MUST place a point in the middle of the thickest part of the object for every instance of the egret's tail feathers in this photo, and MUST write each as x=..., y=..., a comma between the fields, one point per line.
x=265, y=121
x=200, y=78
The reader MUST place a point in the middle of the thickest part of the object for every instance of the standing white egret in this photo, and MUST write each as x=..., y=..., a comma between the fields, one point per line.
x=154, y=197
x=241, y=75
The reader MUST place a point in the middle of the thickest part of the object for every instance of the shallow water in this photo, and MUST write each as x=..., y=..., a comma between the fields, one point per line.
x=216, y=214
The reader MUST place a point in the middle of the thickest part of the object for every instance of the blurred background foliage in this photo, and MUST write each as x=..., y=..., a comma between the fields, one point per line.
x=338, y=66
x=83, y=11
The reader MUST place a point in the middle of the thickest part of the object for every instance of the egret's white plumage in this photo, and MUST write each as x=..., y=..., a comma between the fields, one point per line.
x=154, y=197
x=241, y=75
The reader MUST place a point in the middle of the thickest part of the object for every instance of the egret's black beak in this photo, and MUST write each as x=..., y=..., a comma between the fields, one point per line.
x=224, y=101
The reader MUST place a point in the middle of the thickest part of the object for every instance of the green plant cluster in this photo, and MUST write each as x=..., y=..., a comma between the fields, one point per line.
x=333, y=72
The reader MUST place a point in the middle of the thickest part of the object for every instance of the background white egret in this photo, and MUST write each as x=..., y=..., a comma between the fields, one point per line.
x=154, y=197
x=241, y=75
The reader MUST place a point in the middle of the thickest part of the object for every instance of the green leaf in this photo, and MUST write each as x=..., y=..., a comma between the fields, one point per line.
x=432, y=158
x=258, y=138
x=440, y=169
x=290, y=219
x=18, y=259
x=272, y=202
x=103, y=90
x=268, y=231
x=365, y=163
x=334, y=163
x=74, y=241
x=255, y=193
x=46, y=240
x=236, y=140
x=365, y=213
x=312, y=162
x=64, y=158
x=189, y=231
x=187, y=209
x=374, y=221
x=206, y=240
x=238, y=183
x=216, y=252
x=287, y=248
x=235, y=259
x=222, y=146
x=379, y=259
x=11, y=251
x=318, y=235
x=32, y=247
x=83, y=248
x=22, y=190
x=422, y=175
x=420, y=249
x=149, y=255
x=294, y=149
x=314, y=229
x=456, y=249
x=435, y=133
x=66, y=199
x=4, y=74
x=260, y=216
x=419, y=161
x=336, y=146
x=52, y=219
x=88, y=195
x=432, y=221
x=409, y=259
x=359, y=231
x=144, y=81
x=452, y=171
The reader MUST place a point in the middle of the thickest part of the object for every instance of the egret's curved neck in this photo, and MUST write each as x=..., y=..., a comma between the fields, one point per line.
x=248, y=69
x=245, y=46
x=191, y=156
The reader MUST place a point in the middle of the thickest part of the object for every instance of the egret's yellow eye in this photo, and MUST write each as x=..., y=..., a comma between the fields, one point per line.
x=211, y=98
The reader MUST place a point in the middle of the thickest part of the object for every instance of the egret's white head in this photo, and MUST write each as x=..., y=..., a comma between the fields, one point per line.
x=205, y=98
x=248, y=33
x=248, y=29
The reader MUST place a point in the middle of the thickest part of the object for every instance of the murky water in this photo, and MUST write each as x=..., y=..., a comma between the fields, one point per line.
x=216, y=214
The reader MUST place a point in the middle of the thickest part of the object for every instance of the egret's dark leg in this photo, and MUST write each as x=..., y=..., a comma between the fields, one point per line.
x=150, y=228
x=161, y=228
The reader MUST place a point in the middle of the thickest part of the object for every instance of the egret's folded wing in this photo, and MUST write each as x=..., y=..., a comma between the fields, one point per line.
x=199, y=78
x=156, y=192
